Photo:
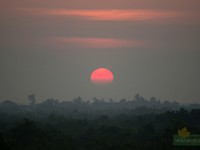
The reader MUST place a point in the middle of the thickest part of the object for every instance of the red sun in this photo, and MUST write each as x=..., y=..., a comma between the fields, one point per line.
x=102, y=76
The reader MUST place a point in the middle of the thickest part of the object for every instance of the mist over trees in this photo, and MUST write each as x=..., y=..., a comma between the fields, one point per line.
x=98, y=124
x=79, y=107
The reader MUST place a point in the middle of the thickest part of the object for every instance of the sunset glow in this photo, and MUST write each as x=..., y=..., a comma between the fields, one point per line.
x=51, y=48
x=85, y=42
x=102, y=75
x=111, y=15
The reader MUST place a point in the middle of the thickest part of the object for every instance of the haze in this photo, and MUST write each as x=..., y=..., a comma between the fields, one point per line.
x=50, y=48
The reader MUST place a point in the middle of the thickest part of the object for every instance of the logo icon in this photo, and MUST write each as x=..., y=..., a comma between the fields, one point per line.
x=184, y=138
x=183, y=133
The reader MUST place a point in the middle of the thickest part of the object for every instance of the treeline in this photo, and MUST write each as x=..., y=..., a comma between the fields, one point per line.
x=79, y=108
x=120, y=132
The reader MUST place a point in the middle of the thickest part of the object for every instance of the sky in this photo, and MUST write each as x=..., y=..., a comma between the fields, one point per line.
x=50, y=48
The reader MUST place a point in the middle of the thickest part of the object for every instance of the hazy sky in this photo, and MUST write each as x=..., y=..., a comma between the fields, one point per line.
x=50, y=48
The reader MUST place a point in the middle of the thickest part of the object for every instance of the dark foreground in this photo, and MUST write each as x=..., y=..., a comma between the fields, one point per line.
x=124, y=131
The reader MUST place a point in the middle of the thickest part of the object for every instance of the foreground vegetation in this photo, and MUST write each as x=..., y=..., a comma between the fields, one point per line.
x=119, y=132
x=99, y=125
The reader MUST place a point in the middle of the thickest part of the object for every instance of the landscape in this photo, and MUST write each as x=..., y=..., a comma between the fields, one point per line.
x=95, y=125
x=99, y=74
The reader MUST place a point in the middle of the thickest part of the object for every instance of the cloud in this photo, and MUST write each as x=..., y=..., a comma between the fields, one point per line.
x=111, y=15
x=98, y=42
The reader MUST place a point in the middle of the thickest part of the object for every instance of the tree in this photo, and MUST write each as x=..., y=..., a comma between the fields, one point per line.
x=32, y=99
x=78, y=100
x=123, y=100
x=51, y=102
x=137, y=96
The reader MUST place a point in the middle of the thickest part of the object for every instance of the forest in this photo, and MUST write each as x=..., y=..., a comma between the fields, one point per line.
x=99, y=124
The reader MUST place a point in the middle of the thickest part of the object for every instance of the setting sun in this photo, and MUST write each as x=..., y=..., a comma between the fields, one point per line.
x=102, y=76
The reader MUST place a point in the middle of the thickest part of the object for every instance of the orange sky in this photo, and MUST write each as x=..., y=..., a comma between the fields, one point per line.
x=113, y=14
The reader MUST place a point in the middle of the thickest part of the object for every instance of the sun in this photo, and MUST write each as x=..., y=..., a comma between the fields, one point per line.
x=102, y=76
